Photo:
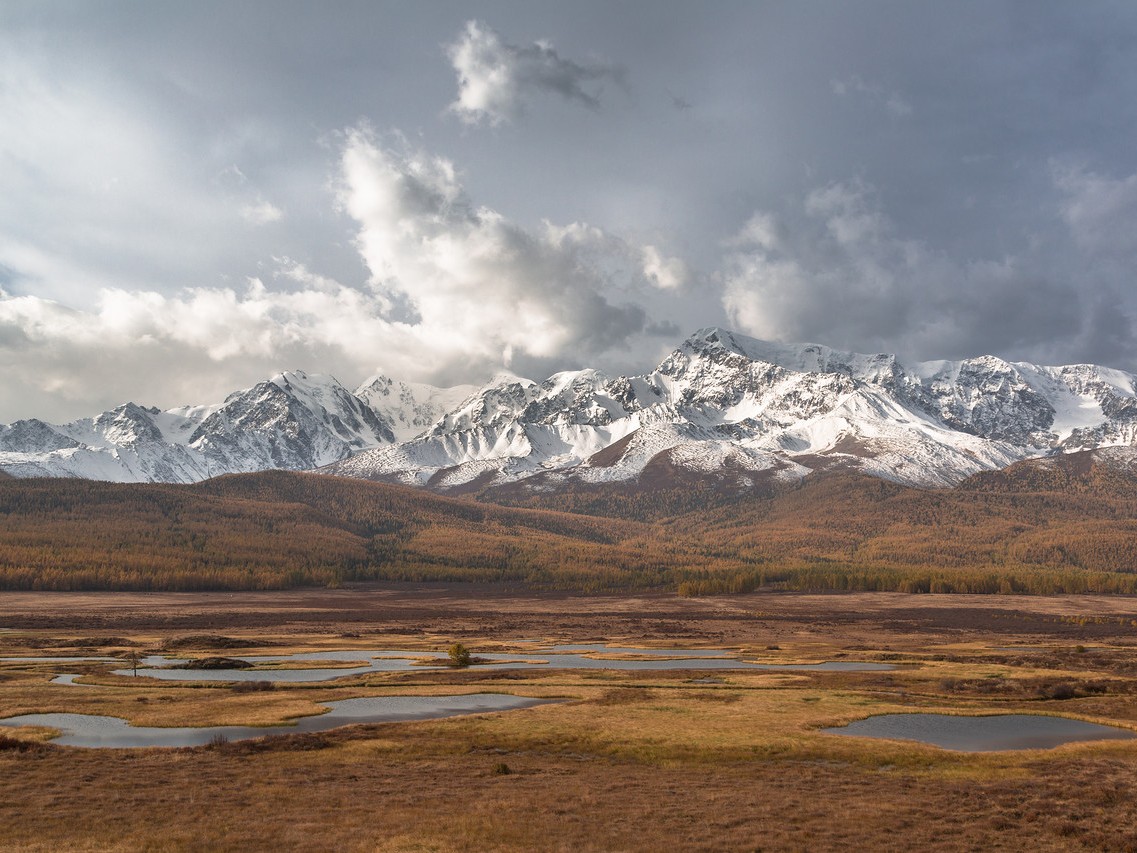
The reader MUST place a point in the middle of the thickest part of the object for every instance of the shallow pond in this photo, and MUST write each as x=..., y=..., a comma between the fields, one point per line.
x=401, y=660
x=982, y=734
x=111, y=732
x=557, y=657
x=68, y=678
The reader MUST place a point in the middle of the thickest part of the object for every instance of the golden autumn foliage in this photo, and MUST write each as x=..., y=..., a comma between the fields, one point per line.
x=1024, y=531
x=277, y=530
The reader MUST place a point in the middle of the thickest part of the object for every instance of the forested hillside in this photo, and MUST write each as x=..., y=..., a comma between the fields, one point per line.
x=1033, y=528
x=277, y=530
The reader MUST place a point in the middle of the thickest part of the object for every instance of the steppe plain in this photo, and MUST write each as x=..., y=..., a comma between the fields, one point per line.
x=628, y=760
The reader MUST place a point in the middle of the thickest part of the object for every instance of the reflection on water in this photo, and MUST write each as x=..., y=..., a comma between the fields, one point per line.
x=101, y=732
x=982, y=734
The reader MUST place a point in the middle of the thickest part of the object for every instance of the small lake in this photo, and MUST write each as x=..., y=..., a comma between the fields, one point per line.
x=579, y=656
x=557, y=657
x=93, y=731
x=982, y=734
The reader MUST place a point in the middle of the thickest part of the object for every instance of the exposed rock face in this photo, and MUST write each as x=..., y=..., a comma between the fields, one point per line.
x=408, y=409
x=720, y=403
x=722, y=400
x=294, y=420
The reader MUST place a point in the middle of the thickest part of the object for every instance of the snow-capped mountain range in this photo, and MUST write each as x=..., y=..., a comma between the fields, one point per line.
x=722, y=405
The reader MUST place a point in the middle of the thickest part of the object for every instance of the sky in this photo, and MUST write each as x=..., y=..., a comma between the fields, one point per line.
x=195, y=196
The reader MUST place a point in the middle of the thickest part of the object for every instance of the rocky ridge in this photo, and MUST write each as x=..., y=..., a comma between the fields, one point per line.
x=721, y=405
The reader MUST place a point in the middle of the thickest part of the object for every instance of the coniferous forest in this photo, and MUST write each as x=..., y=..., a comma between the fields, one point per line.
x=1070, y=527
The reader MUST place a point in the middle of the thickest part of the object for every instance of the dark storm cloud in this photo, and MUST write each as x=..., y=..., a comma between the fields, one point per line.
x=837, y=269
x=937, y=179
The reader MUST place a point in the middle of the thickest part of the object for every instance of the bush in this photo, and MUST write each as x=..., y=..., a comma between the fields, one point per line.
x=459, y=655
x=1062, y=690
x=16, y=745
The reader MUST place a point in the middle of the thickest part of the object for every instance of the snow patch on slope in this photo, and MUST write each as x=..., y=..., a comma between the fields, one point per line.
x=721, y=402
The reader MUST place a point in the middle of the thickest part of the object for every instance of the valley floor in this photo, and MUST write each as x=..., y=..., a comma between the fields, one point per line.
x=631, y=760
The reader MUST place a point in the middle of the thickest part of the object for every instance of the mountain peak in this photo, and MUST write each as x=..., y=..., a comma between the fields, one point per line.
x=798, y=357
x=507, y=377
x=723, y=403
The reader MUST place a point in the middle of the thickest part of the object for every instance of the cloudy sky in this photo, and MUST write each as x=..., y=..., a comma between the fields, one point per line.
x=194, y=196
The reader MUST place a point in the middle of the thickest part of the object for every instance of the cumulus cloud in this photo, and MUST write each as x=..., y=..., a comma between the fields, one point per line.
x=481, y=286
x=839, y=266
x=456, y=291
x=664, y=272
x=496, y=79
x=191, y=347
x=836, y=269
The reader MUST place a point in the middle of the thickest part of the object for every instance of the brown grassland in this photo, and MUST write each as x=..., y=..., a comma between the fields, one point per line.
x=627, y=761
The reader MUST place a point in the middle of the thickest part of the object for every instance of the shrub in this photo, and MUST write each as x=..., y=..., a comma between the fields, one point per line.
x=459, y=655
x=1062, y=690
x=16, y=745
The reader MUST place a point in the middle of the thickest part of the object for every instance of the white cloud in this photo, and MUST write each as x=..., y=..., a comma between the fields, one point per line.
x=195, y=346
x=456, y=292
x=479, y=285
x=495, y=78
x=760, y=231
x=664, y=272
x=841, y=267
x=261, y=213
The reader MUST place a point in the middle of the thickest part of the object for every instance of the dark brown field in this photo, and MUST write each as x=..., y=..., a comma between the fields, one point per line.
x=502, y=612
x=631, y=761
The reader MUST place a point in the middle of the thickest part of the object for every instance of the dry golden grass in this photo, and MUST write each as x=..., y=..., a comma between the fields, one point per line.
x=585, y=777
x=630, y=761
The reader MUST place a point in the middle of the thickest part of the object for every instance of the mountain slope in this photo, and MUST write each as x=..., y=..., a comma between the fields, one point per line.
x=722, y=408
x=746, y=411
x=283, y=529
x=409, y=408
x=831, y=531
x=292, y=421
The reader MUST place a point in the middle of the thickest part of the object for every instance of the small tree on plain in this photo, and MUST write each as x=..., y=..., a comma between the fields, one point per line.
x=459, y=655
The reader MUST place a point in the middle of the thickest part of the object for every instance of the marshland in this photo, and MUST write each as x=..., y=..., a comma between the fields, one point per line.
x=622, y=759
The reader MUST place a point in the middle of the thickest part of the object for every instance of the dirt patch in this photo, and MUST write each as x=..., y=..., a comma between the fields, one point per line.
x=611, y=454
x=215, y=663
x=206, y=641
x=503, y=612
